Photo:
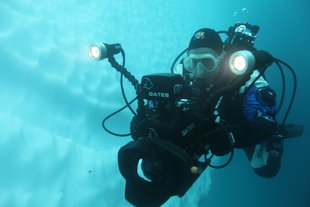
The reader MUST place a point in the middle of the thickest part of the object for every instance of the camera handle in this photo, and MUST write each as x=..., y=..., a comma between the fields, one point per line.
x=131, y=78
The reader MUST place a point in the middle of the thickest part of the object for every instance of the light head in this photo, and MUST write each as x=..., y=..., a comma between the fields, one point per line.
x=98, y=51
x=102, y=50
x=241, y=61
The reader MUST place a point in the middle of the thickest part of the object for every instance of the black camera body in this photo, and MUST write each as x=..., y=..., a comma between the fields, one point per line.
x=168, y=133
x=162, y=87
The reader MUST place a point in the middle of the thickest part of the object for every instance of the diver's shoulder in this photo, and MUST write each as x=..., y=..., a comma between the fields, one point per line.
x=259, y=83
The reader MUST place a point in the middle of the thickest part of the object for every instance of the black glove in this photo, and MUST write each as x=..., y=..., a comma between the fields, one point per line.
x=140, y=127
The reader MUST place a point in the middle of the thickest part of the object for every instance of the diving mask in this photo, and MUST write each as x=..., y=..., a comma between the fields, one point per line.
x=202, y=62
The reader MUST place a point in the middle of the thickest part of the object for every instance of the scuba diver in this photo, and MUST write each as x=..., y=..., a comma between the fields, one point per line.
x=215, y=100
x=252, y=107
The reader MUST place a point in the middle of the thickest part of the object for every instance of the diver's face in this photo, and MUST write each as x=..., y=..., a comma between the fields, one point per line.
x=202, y=63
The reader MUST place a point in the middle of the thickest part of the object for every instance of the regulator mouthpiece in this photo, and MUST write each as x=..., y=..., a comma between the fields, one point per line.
x=241, y=61
x=102, y=50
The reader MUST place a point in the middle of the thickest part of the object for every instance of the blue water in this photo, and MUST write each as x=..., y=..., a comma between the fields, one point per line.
x=53, y=97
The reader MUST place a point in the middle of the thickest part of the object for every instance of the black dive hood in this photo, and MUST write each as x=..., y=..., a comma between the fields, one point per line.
x=177, y=178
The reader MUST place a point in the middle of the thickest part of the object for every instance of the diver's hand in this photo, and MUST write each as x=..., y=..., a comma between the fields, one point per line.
x=140, y=127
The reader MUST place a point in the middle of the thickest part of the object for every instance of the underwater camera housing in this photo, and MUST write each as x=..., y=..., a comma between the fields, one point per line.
x=162, y=87
x=163, y=142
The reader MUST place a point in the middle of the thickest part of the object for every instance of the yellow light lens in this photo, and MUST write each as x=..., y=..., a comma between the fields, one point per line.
x=239, y=63
x=94, y=52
